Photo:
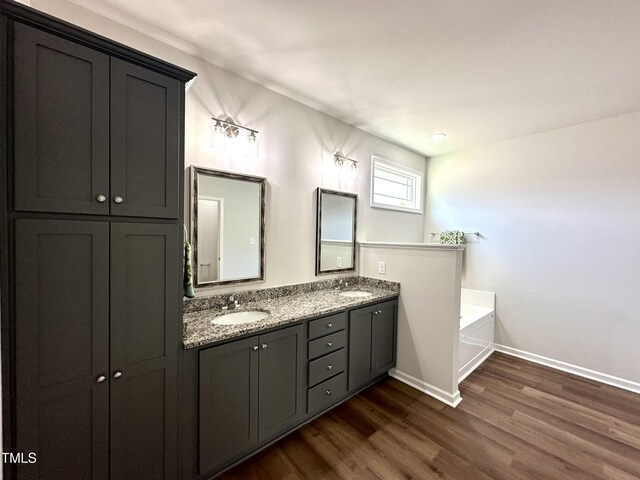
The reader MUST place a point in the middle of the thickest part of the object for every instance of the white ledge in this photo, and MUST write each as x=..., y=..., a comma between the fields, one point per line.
x=424, y=246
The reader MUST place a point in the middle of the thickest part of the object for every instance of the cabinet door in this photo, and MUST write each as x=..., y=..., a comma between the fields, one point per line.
x=62, y=342
x=145, y=142
x=282, y=386
x=228, y=403
x=61, y=124
x=144, y=346
x=359, y=347
x=383, y=351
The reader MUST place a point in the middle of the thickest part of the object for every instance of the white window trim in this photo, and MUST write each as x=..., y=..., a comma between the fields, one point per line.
x=401, y=168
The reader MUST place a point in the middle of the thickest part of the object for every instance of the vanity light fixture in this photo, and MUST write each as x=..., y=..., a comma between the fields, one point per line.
x=340, y=160
x=227, y=133
x=437, y=137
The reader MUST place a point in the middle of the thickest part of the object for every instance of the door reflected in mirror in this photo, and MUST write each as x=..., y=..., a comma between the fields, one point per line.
x=227, y=221
x=336, y=231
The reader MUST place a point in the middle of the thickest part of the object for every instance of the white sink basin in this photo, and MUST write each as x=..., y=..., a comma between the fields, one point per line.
x=238, y=318
x=355, y=294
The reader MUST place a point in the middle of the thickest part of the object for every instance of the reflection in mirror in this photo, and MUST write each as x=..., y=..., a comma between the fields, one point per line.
x=336, y=231
x=227, y=220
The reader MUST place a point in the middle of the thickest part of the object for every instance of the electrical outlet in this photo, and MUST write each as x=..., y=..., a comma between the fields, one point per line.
x=382, y=268
x=252, y=241
x=338, y=261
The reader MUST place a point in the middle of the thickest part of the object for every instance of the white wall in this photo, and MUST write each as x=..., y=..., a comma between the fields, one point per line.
x=297, y=145
x=559, y=214
x=428, y=313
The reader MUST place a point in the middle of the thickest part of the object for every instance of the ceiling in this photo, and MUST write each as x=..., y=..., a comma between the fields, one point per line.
x=480, y=70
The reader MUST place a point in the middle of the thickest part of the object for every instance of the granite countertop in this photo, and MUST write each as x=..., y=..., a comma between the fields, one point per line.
x=198, y=329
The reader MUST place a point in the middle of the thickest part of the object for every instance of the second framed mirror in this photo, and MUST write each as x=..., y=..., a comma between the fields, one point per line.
x=336, y=231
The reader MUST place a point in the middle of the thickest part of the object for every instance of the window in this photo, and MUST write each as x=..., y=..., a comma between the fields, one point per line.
x=395, y=187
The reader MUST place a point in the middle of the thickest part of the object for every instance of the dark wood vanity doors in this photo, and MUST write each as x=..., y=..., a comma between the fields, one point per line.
x=372, y=342
x=93, y=134
x=250, y=390
x=97, y=371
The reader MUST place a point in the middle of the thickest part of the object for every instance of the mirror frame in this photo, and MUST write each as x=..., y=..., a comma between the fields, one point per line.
x=195, y=171
x=354, y=196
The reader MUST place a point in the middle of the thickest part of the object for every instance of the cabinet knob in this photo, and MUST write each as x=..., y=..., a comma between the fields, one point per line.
x=329, y=344
x=329, y=325
x=328, y=392
x=101, y=198
x=264, y=346
x=329, y=367
x=117, y=374
x=255, y=348
x=118, y=200
x=100, y=379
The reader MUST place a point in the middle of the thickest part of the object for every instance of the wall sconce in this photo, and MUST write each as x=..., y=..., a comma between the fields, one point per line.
x=346, y=165
x=228, y=135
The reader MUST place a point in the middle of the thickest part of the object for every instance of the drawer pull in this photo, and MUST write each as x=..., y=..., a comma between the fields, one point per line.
x=328, y=392
x=255, y=348
x=329, y=344
x=329, y=367
x=101, y=198
x=264, y=346
x=117, y=374
x=329, y=325
x=101, y=379
x=118, y=200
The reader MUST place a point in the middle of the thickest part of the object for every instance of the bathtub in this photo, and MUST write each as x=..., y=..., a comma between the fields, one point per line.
x=477, y=318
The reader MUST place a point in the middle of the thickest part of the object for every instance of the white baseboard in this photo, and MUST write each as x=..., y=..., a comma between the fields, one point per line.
x=445, y=397
x=567, y=367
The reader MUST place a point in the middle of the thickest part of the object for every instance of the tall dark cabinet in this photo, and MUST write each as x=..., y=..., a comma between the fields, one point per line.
x=91, y=240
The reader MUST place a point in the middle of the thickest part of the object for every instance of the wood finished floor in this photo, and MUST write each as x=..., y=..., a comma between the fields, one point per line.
x=517, y=420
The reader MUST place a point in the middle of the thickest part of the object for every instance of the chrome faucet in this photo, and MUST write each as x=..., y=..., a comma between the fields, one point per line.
x=232, y=305
x=342, y=285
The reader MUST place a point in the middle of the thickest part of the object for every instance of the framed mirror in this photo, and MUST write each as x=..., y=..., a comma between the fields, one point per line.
x=227, y=224
x=336, y=231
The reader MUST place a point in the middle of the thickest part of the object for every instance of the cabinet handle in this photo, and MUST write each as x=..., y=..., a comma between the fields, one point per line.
x=117, y=374
x=264, y=346
x=101, y=198
x=100, y=379
x=328, y=392
x=255, y=348
x=329, y=367
x=329, y=325
x=118, y=200
x=329, y=344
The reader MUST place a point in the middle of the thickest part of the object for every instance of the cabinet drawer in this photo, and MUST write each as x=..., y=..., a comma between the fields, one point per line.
x=327, y=344
x=327, y=393
x=325, y=325
x=327, y=366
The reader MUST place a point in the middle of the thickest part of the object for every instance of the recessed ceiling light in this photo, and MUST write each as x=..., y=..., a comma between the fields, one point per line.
x=438, y=137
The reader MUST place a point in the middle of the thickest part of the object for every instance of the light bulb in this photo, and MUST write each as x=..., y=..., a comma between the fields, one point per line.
x=218, y=128
x=252, y=137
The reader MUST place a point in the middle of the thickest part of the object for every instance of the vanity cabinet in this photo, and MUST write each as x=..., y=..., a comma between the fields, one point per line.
x=244, y=394
x=250, y=391
x=94, y=134
x=372, y=345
